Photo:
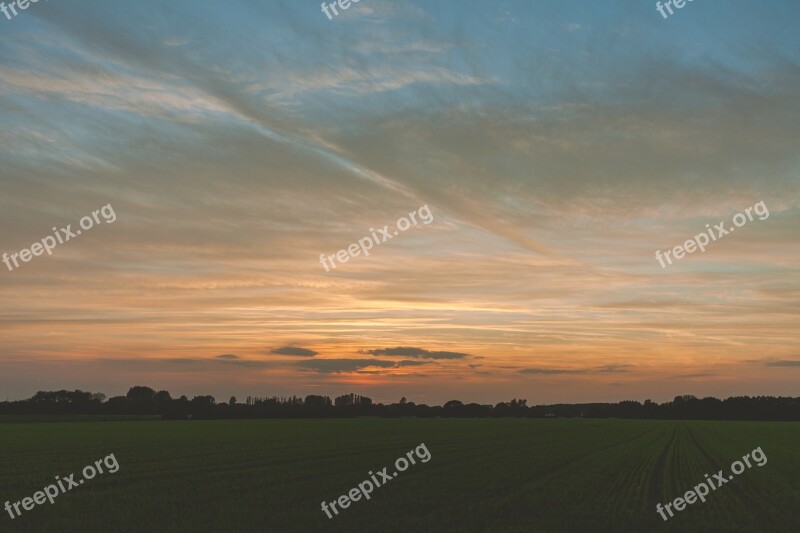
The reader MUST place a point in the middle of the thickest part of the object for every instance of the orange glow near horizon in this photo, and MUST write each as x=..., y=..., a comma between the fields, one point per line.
x=553, y=171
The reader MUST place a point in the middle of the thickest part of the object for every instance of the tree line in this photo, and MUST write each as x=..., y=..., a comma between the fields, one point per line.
x=146, y=401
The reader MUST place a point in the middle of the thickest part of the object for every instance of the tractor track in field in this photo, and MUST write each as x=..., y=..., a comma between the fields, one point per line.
x=763, y=517
x=511, y=488
x=654, y=493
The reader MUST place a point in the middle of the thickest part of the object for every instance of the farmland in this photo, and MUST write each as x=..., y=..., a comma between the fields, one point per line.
x=484, y=475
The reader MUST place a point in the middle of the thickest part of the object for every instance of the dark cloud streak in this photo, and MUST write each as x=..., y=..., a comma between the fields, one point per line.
x=294, y=351
x=354, y=365
x=409, y=351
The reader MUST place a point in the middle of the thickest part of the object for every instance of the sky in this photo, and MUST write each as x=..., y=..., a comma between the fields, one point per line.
x=557, y=146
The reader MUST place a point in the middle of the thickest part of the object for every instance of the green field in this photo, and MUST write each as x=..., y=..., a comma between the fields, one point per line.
x=484, y=475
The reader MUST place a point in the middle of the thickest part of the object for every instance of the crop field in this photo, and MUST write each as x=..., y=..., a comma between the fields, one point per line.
x=483, y=475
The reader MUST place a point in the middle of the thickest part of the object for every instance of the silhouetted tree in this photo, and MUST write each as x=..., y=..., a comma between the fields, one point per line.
x=140, y=394
x=144, y=400
x=202, y=406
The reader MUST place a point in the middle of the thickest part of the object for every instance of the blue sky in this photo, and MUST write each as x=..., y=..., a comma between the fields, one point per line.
x=558, y=144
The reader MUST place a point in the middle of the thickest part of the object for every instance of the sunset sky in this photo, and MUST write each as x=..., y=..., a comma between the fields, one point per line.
x=557, y=144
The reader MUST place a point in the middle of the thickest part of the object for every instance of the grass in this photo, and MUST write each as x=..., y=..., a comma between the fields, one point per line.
x=484, y=475
x=75, y=418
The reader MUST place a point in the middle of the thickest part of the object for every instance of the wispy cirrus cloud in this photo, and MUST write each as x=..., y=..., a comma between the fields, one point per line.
x=607, y=369
x=353, y=82
x=555, y=170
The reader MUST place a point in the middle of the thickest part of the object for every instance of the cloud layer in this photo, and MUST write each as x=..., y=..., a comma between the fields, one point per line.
x=407, y=351
x=293, y=350
x=558, y=147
